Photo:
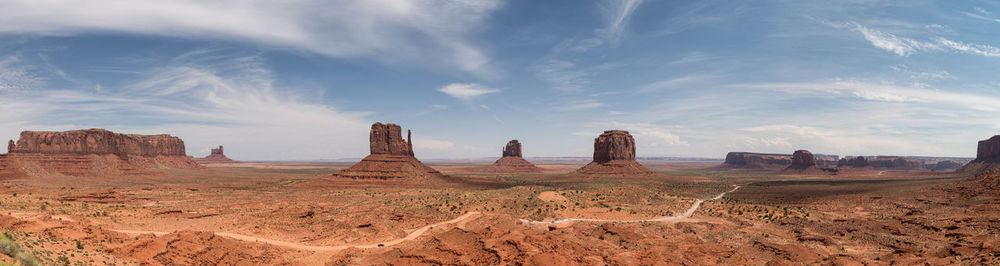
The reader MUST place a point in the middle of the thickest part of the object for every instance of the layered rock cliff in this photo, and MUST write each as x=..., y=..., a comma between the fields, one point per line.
x=802, y=159
x=512, y=162
x=988, y=149
x=217, y=155
x=388, y=139
x=853, y=162
x=896, y=163
x=97, y=141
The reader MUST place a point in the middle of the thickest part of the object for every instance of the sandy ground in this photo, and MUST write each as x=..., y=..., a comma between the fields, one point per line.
x=296, y=213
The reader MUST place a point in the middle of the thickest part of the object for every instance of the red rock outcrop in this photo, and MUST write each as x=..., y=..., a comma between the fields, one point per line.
x=855, y=162
x=512, y=162
x=391, y=157
x=91, y=152
x=802, y=159
x=98, y=141
x=614, y=155
x=756, y=160
x=512, y=149
x=988, y=149
x=217, y=156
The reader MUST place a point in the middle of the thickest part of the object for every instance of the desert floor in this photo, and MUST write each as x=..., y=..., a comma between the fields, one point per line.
x=296, y=213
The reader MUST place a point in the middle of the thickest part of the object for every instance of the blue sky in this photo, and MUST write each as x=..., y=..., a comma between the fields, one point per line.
x=303, y=80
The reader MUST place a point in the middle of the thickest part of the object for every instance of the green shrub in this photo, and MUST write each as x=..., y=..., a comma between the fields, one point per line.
x=21, y=256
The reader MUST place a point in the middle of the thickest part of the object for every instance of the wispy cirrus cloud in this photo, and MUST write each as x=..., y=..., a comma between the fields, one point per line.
x=904, y=46
x=466, y=91
x=387, y=30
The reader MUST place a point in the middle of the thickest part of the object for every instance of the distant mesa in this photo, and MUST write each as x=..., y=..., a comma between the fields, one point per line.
x=750, y=160
x=91, y=152
x=391, y=157
x=944, y=165
x=614, y=155
x=217, y=156
x=855, y=162
x=896, y=163
x=512, y=161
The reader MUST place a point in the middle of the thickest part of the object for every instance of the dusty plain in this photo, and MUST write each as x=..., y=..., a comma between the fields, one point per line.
x=297, y=214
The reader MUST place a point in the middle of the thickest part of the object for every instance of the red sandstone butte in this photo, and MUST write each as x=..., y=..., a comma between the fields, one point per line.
x=91, y=152
x=391, y=157
x=802, y=159
x=512, y=162
x=757, y=160
x=217, y=155
x=614, y=155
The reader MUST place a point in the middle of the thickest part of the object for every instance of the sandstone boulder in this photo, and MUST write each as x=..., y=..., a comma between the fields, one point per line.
x=614, y=155
x=391, y=158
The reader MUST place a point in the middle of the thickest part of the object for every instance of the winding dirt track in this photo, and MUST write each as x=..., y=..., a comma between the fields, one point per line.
x=686, y=215
x=460, y=220
x=413, y=235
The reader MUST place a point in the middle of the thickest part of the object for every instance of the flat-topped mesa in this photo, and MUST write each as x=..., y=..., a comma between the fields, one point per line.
x=388, y=139
x=512, y=162
x=854, y=162
x=614, y=155
x=896, y=163
x=91, y=152
x=391, y=157
x=802, y=159
x=512, y=149
x=97, y=141
x=757, y=160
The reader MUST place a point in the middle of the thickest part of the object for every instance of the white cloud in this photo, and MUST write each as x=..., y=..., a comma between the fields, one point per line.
x=15, y=76
x=681, y=82
x=889, y=42
x=431, y=144
x=234, y=103
x=581, y=106
x=922, y=75
x=971, y=48
x=561, y=73
x=888, y=93
x=414, y=31
x=466, y=91
x=617, y=13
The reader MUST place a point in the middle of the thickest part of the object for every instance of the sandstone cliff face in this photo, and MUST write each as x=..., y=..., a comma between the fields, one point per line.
x=10, y=146
x=388, y=139
x=757, y=160
x=614, y=145
x=512, y=149
x=854, y=162
x=98, y=141
x=391, y=157
x=91, y=152
x=988, y=149
x=614, y=155
x=802, y=159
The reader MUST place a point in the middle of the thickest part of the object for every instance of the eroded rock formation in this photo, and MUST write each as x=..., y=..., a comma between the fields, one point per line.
x=98, y=141
x=512, y=149
x=757, y=160
x=391, y=157
x=802, y=159
x=944, y=165
x=512, y=162
x=988, y=149
x=217, y=155
x=91, y=152
x=614, y=155
x=854, y=162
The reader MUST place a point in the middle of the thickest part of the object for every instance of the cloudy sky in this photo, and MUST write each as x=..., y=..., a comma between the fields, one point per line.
x=304, y=79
